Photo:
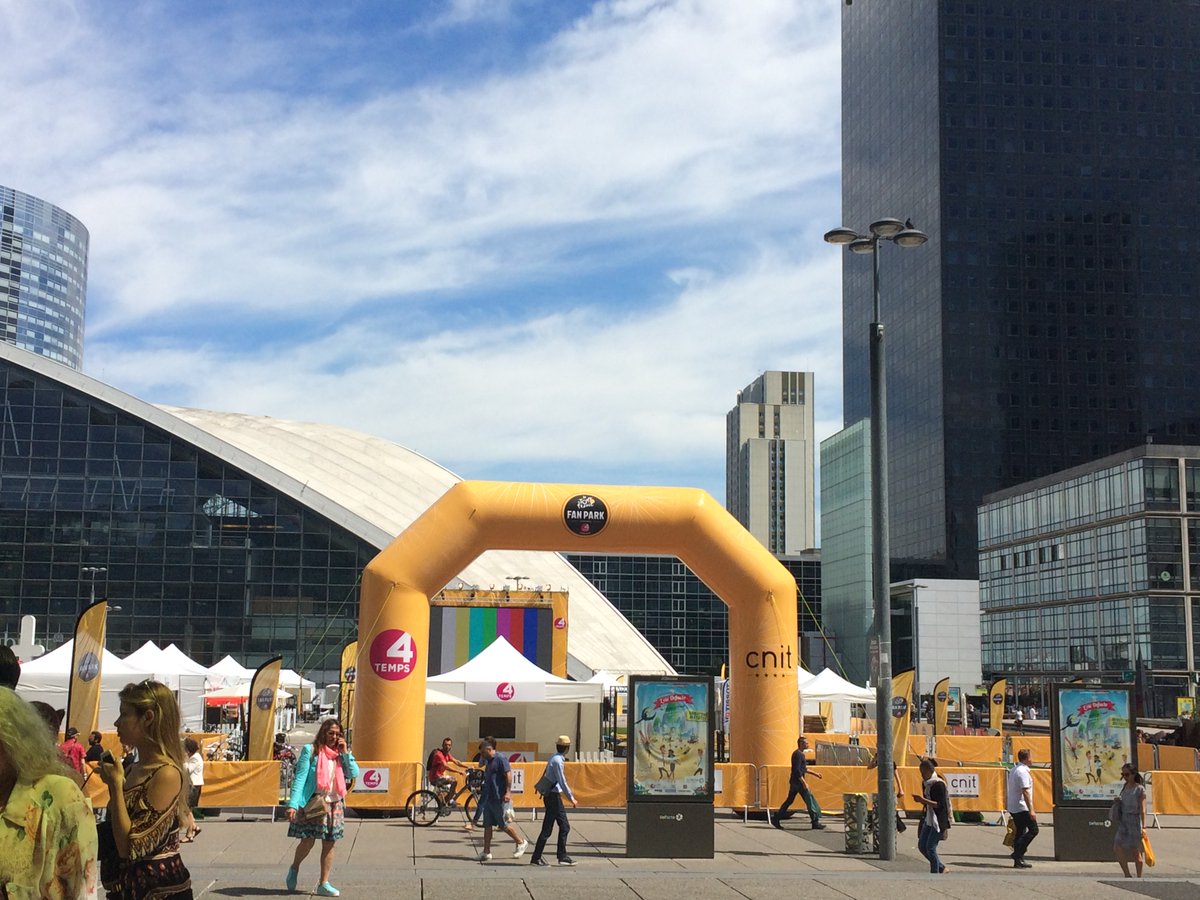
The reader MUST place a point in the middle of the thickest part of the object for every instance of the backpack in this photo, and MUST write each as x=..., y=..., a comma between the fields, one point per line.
x=429, y=762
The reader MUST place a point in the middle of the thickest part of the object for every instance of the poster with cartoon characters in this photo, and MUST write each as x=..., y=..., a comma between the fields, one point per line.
x=669, y=739
x=1092, y=737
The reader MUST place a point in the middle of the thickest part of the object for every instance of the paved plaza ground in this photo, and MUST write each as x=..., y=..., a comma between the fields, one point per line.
x=385, y=858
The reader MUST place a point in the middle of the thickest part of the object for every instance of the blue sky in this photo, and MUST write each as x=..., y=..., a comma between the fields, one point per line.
x=542, y=241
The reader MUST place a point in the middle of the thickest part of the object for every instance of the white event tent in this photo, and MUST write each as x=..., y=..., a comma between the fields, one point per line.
x=182, y=674
x=48, y=678
x=829, y=687
x=503, y=684
x=228, y=671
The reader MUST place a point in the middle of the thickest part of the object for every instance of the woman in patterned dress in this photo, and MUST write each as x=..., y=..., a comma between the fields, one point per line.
x=47, y=831
x=147, y=802
x=325, y=769
x=1129, y=812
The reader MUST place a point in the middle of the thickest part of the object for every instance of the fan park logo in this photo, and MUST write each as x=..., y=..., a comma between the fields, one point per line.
x=505, y=691
x=89, y=666
x=264, y=698
x=585, y=515
x=899, y=707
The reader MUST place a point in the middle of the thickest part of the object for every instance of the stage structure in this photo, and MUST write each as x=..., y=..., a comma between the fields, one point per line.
x=473, y=517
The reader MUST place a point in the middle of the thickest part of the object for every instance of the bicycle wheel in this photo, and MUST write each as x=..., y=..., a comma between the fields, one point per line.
x=469, y=806
x=423, y=808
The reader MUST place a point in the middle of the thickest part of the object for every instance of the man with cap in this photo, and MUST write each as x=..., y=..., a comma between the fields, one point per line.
x=553, y=786
x=72, y=751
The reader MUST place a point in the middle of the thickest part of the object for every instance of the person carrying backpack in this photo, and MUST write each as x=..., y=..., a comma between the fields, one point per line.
x=441, y=761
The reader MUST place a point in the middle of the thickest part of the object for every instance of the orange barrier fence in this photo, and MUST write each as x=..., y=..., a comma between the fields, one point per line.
x=1174, y=759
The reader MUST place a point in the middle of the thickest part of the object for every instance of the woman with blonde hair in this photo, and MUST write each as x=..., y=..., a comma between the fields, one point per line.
x=316, y=802
x=47, y=831
x=147, y=802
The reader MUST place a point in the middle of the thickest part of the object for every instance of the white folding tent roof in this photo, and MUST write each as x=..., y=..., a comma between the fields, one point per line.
x=48, y=678
x=827, y=686
x=229, y=671
x=501, y=673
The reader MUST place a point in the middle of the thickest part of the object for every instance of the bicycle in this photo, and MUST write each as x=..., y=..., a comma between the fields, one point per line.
x=426, y=805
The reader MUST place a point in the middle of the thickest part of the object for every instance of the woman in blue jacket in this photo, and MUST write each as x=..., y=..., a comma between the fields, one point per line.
x=323, y=775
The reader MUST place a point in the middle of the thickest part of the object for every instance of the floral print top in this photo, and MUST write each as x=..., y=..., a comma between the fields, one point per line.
x=47, y=842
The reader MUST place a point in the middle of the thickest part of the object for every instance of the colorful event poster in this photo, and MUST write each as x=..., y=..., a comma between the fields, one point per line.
x=954, y=708
x=1093, y=740
x=670, y=730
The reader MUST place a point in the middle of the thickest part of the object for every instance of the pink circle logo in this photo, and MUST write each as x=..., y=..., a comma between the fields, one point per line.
x=372, y=778
x=393, y=654
x=505, y=691
x=560, y=623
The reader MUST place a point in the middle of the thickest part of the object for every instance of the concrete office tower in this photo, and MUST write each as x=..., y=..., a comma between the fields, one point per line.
x=43, y=277
x=1051, y=150
x=769, y=456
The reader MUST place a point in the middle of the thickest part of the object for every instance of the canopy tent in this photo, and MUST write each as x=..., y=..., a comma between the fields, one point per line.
x=829, y=687
x=608, y=679
x=507, y=686
x=147, y=657
x=237, y=693
x=182, y=674
x=228, y=671
x=297, y=685
x=48, y=678
x=500, y=672
x=803, y=676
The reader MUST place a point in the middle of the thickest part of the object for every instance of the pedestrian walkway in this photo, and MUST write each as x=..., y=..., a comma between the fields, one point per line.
x=385, y=858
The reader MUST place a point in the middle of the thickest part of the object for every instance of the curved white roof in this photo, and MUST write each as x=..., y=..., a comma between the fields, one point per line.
x=376, y=489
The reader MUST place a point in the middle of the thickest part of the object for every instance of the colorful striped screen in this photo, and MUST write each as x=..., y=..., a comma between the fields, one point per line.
x=458, y=633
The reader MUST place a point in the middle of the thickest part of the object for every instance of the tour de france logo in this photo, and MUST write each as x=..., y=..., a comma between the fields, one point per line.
x=585, y=515
x=899, y=707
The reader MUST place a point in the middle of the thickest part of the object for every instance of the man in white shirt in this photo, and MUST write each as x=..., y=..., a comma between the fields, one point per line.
x=1019, y=803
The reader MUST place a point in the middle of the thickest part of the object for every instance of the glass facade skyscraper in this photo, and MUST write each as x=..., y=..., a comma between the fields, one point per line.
x=1051, y=150
x=43, y=277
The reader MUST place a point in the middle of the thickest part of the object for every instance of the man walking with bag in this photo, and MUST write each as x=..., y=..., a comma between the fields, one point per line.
x=1019, y=802
x=553, y=787
x=798, y=787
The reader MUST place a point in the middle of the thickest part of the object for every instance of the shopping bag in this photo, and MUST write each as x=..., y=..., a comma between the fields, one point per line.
x=1010, y=835
x=1147, y=850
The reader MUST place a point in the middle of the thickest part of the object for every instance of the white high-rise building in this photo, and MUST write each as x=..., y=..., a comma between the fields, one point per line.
x=769, y=461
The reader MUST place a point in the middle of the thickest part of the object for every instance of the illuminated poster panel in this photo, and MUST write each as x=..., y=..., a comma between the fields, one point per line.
x=670, y=738
x=1092, y=737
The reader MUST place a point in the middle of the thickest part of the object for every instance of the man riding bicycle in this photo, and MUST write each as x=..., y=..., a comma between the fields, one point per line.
x=441, y=762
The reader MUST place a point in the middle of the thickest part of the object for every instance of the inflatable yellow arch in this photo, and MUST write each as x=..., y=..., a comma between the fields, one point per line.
x=474, y=516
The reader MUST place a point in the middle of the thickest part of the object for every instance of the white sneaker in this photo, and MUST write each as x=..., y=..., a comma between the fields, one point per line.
x=521, y=848
x=485, y=857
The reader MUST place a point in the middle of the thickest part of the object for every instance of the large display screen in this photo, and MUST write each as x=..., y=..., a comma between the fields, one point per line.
x=670, y=738
x=1092, y=737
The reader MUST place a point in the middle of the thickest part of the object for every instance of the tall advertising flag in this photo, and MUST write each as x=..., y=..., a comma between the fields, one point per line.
x=902, y=686
x=83, y=696
x=346, y=694
x=260, y=706
x=941, y=706
x=996, y=704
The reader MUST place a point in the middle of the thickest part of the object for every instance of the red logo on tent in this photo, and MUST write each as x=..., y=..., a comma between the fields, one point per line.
x=505, y=691
x=560, y=623
x=372, y=778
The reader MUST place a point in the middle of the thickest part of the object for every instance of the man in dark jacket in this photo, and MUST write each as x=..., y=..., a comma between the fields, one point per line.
x=797, y=786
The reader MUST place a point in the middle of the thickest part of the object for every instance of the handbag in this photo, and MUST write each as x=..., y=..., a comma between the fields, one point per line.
x=1010, y=836
x=545, y=784
x=1147, y=850
x=312, y=811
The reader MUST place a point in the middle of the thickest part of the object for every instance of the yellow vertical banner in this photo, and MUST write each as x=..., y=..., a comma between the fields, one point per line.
x=346, y=694
x=83, y=695
x=996, y=704
x=260, y=709
x=941, y=706
x=902, y=687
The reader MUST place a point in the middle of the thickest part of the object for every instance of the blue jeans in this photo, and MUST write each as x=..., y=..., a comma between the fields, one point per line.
x=927, y=842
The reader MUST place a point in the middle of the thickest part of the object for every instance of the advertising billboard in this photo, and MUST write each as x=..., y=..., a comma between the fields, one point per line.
x=1091, y=738
x=670, y=738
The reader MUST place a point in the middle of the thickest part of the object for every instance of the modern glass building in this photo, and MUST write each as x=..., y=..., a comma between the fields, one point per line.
x=683, y=619
x=224, y=533
x=1051, y=150
x=43, y=277
x=1095, y=572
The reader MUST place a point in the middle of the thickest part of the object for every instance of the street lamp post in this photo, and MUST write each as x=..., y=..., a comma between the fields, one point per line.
x=904, y=235
x=92, y=572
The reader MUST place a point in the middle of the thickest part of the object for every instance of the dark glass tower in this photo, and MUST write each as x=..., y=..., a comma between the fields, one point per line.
x=1051, y=150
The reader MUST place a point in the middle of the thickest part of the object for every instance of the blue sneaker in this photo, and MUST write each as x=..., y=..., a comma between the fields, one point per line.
x=290, y=881
x=325, y=889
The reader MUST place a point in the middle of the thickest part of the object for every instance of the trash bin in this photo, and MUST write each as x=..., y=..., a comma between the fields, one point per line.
x=856, y=808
